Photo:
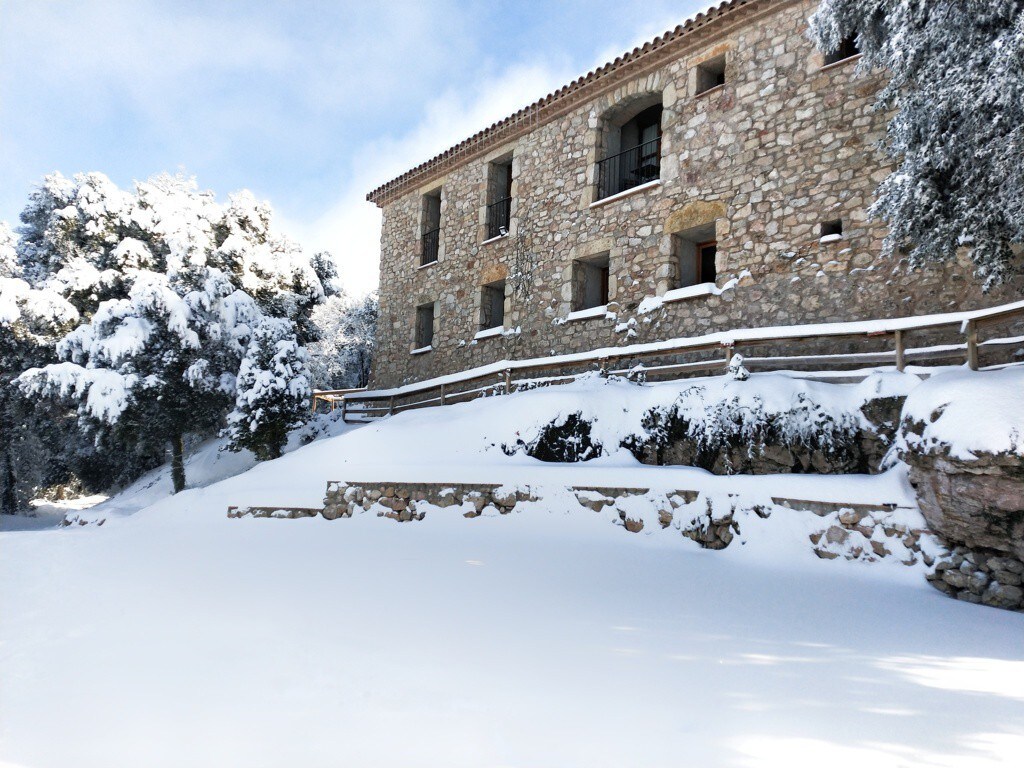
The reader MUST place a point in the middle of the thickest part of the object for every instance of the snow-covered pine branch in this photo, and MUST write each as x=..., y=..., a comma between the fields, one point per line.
x=956, y=89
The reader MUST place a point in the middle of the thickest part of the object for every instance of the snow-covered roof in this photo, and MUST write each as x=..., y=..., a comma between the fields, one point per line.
x=641, y=59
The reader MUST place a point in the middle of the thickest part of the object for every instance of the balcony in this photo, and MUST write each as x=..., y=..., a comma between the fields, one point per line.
x=629, y=169
x=429, y=241
x=498, y=217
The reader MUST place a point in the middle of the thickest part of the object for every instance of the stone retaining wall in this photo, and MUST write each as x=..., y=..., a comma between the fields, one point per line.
x=852, y=531
x=981, y=576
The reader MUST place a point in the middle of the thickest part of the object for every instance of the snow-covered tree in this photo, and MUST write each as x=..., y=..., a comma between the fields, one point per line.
x=31, y=321
x=325, y=268
x=89, y=240
x=169, y=285
x=9, y=266
x=155, y=366
x=956, y=88
x=341, y=356
x=272, y=391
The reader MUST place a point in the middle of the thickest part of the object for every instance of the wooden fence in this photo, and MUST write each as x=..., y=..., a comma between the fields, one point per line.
x=964, y=346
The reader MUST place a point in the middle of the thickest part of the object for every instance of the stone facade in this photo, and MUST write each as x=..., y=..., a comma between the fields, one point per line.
x=785, y=145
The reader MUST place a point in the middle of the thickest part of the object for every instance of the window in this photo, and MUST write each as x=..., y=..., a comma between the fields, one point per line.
x=695, y=251
x=499, y=197
x=847, y=50
x=632, y=151
x=710, y=74
x=590, y=283
x=424, y=325
x=492, y=305
x=430, y=238
x=833, y=228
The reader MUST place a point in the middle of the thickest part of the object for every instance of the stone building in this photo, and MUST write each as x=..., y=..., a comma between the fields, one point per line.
x=717, y=177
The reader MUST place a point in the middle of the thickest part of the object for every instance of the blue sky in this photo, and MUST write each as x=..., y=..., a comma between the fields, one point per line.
x=308, y=104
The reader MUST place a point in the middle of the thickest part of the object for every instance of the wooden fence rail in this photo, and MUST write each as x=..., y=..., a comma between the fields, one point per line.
x=510, y=375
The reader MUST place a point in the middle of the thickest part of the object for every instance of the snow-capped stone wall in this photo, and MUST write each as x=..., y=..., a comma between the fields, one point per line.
x=962, y=437
x=851, y=531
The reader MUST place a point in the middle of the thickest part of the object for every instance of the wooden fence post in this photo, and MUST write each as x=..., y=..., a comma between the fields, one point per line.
x=344, y=409
x=508, y=381
x=901, y=361
x=729, y=352
x=972, y=345
x=391, y=405
x=442, y=394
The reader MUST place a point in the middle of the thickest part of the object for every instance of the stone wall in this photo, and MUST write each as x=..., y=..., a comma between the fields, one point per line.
x=976, y=506
x=785, y=145
x=981, y=576
x=852, y=531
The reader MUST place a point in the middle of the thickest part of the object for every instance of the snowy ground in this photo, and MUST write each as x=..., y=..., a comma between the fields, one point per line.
x=176, y=636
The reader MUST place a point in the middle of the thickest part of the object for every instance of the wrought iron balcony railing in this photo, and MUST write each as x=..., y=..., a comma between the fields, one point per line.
x=498, y=216
x=629, y=169
x=430, y=240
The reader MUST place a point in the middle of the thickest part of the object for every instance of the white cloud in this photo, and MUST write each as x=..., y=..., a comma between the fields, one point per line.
x=350, y=227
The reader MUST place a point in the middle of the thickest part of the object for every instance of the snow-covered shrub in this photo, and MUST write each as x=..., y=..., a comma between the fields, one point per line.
x=956, y=88
x=964, y=415
x=567, y=438
x=728, y=434
x=272, y=391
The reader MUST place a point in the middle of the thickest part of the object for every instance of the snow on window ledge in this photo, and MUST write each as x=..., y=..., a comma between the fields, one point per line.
x=589, y=314
x=831, y=239
x=690, y=291
x=428, y=264
x=626, y=193
x=494, y=239
x=652, y=303
x=422, y=350
x=487, y=333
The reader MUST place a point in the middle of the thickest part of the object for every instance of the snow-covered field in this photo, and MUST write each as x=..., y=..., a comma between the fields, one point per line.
x=175, y=636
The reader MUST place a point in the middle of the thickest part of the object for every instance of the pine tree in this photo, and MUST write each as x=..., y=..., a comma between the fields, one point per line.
x=346, y=327
x=169, y=286
x=31, y=321
x=272, y=391
x=956, y=88
x=149, y=369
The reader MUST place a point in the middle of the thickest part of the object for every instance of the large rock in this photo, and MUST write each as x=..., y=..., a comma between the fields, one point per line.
x=975, y=503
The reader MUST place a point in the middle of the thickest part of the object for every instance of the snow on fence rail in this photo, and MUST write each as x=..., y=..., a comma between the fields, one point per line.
x=497, y=378
x=332, y=397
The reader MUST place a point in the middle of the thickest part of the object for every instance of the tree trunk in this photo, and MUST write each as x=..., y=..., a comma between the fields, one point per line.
x=178, y=462
x=9, y=497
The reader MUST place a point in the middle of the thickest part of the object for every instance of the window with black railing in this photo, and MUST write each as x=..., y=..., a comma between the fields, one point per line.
x=430, y=237
x=631, y=168
x=499, y=197
x=498, y=217
x=429, y=242
x=633, y=150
